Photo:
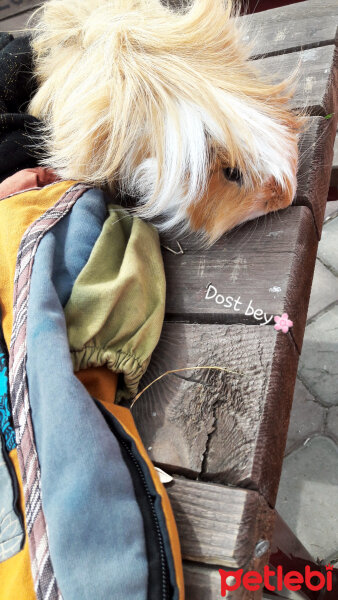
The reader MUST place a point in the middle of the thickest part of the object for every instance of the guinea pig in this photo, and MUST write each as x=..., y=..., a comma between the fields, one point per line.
x=166, y=106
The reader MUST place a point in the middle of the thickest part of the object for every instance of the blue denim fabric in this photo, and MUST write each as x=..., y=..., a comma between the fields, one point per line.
x=73, y=238
x=95, y=527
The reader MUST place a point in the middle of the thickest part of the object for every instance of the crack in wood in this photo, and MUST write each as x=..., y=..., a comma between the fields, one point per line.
x=203, y=470
x=298, y=350
x=297, y=48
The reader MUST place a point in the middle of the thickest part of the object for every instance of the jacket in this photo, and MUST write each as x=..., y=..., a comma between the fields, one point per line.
x=82, y=293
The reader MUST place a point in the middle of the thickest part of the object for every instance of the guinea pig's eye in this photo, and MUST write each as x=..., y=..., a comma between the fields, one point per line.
x=233, y=175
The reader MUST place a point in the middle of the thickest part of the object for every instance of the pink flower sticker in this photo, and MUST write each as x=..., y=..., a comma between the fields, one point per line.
x=283, y=323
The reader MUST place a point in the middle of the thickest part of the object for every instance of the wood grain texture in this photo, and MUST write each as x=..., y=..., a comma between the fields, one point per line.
x=263, y=425
x=316, y=160
x=223, y=427
x=9, y=8
x=217, y=524
x=265, y=265
x=16, y=24
x=293, y=27
x=203, y=581
x=315, y=89
x=288, y=28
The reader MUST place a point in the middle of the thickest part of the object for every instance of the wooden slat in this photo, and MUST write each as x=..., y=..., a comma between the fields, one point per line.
x=16, y=24
x=314, y=90
x=293, y=27
x=9, y=8
x=202, y=582
x=289, y=28
x=261, y=264
x=316, y=156
x=223, y=427
x=219, y=525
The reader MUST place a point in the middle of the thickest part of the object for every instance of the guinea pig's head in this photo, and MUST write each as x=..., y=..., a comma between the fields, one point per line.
x=166, y=106
x=254, y=172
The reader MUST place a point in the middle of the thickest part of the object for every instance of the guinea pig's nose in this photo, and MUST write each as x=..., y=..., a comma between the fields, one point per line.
x=276, y=195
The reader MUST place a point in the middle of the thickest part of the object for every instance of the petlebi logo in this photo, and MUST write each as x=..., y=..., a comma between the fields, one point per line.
x=276, y=580
x=282, y=323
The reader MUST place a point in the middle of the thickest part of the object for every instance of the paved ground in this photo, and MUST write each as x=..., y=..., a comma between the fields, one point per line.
x=308, y=492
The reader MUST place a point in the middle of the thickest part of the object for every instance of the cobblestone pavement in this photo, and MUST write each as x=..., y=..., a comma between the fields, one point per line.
x=308, y=492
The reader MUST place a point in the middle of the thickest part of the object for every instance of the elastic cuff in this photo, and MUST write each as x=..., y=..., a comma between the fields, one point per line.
x=117, y=361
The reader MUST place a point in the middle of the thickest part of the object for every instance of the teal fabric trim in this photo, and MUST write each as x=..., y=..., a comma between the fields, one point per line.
x=6, y=424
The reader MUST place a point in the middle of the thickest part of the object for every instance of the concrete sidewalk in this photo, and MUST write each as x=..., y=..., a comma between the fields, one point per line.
x=308, y=492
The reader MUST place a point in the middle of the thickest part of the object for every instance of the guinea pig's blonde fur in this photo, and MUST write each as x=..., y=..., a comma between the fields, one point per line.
x=158, y=103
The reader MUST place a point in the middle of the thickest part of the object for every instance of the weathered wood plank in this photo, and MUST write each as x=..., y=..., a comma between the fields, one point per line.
x=203, y=581
x=9, y=8
x=220, y=525
x=293, y=27
x=266, y=265
x=316, y=156
x=289, y=28
x=269, y=417
x=16, y=24
x=223, y=427
x=314, y=90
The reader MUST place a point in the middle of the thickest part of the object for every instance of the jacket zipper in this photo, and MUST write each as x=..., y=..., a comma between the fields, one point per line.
x=165, y=590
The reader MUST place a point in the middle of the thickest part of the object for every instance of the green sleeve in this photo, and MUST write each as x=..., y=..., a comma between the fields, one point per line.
x=115, y=312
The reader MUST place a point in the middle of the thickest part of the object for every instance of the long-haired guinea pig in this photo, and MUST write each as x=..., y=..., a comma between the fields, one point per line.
x=165, y=106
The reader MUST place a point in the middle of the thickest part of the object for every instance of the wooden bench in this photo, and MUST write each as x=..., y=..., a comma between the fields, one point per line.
x=222, y=435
